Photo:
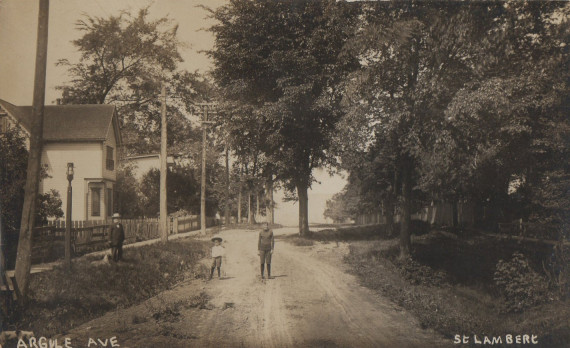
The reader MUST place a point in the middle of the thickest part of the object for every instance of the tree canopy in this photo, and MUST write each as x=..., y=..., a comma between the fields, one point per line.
x=447, y=103
x=124, y=60
x=282, y=60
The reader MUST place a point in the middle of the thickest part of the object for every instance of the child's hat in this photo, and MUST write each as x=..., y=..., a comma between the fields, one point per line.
x=217, y=239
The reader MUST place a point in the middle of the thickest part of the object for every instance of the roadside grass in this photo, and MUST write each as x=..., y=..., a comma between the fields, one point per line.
x=448, y=285
x=60, y=300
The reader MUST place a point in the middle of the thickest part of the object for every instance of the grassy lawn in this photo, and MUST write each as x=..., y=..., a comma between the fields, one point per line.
x=60, y=301
x=449, y=284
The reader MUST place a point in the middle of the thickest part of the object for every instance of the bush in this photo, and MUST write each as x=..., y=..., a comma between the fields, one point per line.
x=521, y=285
x=418, y=274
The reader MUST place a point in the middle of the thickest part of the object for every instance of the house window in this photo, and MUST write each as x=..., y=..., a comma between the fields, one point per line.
x=96, y=201
x=110, y=161
x=109, y=202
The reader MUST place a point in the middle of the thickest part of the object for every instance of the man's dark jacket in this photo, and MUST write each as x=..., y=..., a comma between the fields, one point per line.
x=117, y=235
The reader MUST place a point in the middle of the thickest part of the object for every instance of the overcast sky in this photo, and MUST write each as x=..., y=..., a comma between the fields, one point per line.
x=18, y=32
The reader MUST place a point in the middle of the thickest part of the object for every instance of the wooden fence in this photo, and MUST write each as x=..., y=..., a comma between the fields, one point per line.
x=442, y=214
x=188, y=223
x=434, y=214
x=87, y=236
x=547, y=233
x=372, y=218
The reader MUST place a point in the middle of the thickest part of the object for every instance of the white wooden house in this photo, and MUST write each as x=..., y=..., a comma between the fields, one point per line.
x=87, y=136
x=142, y=164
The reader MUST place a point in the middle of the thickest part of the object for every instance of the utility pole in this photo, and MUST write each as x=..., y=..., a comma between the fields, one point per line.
x=203, y=184
x=24, y=257
x=163, y=171
x=205, y=124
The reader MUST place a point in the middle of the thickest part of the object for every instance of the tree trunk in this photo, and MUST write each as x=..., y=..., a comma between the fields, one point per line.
x=405, y=239
x=24, y=256
x=250, y=212
x=303, y=209
x=269, y=199
x=389, y=213
x=256, y=206
x=249, y=208
x=239, y=206
x=227, y=206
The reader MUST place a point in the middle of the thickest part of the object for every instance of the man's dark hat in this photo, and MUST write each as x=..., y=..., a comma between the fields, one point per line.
x=217, y=239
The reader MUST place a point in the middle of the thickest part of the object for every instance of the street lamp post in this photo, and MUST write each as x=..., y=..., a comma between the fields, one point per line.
x=68, y=217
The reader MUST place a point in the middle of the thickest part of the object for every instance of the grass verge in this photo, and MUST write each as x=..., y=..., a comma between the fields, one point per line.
x=449, y=283
x=61, y=300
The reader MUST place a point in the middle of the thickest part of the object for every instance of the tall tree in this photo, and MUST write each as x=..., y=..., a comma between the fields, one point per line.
x=508, y=128
x=451, y=93
x=282, y=59
x=13, y=159
x=124, y=59
x=413, y=58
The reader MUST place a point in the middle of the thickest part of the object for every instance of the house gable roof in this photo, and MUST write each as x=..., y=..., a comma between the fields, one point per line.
x=88, y=122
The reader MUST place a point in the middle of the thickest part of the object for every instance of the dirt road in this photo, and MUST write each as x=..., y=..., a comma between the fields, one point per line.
x=311, y=302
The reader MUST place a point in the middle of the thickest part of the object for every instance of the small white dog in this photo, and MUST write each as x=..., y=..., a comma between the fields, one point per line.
x=104, y=261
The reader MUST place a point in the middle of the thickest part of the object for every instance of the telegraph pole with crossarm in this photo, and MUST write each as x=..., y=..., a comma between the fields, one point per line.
x=204, y=109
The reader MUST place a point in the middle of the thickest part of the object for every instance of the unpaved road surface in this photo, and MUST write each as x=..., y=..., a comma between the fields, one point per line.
x=312, y=301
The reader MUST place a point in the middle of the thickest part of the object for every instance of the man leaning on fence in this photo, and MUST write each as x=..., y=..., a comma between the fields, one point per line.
x=116, y=238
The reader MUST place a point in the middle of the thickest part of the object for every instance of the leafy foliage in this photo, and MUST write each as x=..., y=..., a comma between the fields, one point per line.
x=128, y=193
x=281, y=60
x=522, y=286
x=13, y=167
x=183, y=189
x=413, y=58
x=118, y=54
x=448, y=100
x=49, y=206
x=124, y=60
x=13, y=159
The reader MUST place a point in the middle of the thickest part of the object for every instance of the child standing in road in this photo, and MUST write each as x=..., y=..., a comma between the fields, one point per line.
x=217, y=253
x=265, y=246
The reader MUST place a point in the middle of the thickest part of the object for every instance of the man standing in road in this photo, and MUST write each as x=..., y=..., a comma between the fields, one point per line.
x=265, y=246
x=116, y=238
